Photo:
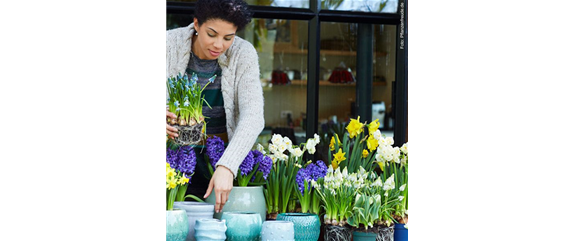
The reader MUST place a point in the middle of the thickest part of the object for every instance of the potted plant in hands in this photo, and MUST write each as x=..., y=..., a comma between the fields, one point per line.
x=247, y=193
x=185, y=100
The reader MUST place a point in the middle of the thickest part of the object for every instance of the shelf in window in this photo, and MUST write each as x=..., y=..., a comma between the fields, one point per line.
x=294, y=50
x=327, y=83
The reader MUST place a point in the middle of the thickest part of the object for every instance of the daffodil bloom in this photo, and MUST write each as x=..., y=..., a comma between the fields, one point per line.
x=332, y=145
x=365, y=153
x=372, y=143
x=355, y=127
x=374, y=126
x=170, y=172
x=172, y=184
x=338, y=158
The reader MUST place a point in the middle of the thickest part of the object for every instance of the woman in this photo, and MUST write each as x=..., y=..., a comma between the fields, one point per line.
x=210, y=46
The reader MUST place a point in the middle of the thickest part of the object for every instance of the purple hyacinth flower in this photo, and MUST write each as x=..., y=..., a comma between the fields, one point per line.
x=302, y=176
x=265, y=164
x=215, y=148
x=247, y=164
x=171, y=158
x=186, y=160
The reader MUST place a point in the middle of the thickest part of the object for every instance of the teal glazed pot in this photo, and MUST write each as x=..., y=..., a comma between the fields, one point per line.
x=195, y=211
x=245, y=199
x=364, y=236
x=176, y=228
x=210, y=230
x=277, y=231
x=307, y=226
x=242, y=226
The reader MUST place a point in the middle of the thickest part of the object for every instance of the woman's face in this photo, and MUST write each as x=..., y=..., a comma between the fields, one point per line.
x=214, y=37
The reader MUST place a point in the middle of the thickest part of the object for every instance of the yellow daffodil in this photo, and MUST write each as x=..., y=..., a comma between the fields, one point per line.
x=183, y=180
x=338, y=158
x=332, y=145
x=372, y=143
x=170, y=172
x=172, y=184
x=365, y=153
x=355, y=127
x=381, y=165
x=374, y=126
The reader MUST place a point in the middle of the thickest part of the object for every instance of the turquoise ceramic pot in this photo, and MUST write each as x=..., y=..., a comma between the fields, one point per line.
x=364, y=236
x=250, y=199
x=307, y=225
x=195, y=211
x=176, y=228
x=277, y=231
x=210, y=230
x=242, y=226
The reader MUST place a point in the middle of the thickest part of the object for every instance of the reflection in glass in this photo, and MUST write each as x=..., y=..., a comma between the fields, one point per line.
x=375, y=6
x=281, y=46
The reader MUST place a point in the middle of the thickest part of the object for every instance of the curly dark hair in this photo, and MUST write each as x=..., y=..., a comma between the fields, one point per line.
x=233, y=11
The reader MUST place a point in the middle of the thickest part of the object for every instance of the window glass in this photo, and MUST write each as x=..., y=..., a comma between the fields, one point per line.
x=375, y=6
x=338, y=71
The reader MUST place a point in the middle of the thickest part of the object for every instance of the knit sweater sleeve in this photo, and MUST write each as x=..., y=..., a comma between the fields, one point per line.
x=249, y=107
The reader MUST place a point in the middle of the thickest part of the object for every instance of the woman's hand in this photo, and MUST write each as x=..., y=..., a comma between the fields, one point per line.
x=170, y=130
x=221, y=183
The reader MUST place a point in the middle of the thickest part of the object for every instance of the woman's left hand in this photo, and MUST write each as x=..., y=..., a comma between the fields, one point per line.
x=221, y=183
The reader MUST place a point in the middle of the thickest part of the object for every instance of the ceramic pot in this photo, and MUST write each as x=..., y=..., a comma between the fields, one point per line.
x=277, y=231
x=337, y=233
x=242, y=226
x=401, y=233
x=248, y=199
x=307, y=226
x=176, y=227
x=210, y=230
x=385, y=233
x=195, y=211
x=364, y=236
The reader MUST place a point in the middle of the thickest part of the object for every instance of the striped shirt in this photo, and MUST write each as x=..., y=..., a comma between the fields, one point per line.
x=214, y=117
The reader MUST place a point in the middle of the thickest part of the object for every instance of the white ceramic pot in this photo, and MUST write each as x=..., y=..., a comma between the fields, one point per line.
x=277, y=231
x=195, y=211
x=210, y=230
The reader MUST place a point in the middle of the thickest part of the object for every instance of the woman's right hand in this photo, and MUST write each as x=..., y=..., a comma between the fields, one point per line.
x=170, y=130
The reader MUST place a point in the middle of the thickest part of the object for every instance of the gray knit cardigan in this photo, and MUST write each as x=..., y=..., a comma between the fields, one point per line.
x=240, y=86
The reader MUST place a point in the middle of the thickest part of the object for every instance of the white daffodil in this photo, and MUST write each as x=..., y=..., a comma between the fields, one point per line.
x=316, y=138
x=273, y=148
x=311, y=150
x=405, y=148
x=261, y=149
x=297, y=152
x=377, y=135
x=396, y=155
x=276, y=139
x=287, y=141
x=281, y=147
x=390, y=141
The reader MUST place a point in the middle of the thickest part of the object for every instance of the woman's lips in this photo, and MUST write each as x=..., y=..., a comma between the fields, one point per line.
x=214, y=54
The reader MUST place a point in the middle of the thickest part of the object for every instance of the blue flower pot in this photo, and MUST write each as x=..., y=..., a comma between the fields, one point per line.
x=307, y=226
x=176, y=228
x=401, y=233
x=242, y=226
x=277, y=231
x=195, y=211
x=210, y=230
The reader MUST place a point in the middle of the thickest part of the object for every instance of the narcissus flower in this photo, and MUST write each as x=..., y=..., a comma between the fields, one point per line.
x=365, y=153
x=374, y=126
x=338, y=158
x=355, y=127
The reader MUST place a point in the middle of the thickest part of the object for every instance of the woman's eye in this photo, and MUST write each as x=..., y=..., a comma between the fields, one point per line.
x=228, y=39
x=210, y=35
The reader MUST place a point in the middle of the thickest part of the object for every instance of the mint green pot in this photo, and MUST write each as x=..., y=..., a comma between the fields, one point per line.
x=364, y=236
x=176, y=226
x=242, y=226
x=248, y=199
x=307, y=226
